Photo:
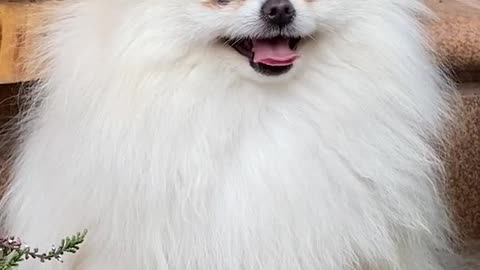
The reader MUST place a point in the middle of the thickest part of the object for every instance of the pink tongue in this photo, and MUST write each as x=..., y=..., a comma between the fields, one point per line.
x=273, y=53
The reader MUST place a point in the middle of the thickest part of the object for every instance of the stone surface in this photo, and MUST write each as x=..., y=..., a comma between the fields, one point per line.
x=457, y=32
x=463, y=166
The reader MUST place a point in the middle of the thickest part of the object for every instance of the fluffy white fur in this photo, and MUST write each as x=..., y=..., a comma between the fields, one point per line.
x=176, y=155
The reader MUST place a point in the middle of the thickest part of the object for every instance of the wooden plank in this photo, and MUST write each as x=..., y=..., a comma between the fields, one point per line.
x=16, y=21
x=457, y=34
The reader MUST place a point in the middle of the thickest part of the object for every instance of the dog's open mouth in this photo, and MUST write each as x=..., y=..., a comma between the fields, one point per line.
x=273, y=56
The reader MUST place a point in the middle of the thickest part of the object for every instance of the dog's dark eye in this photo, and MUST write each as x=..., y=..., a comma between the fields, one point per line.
x=223, y=2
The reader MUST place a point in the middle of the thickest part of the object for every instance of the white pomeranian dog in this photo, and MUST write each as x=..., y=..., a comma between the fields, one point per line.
x=236, y=135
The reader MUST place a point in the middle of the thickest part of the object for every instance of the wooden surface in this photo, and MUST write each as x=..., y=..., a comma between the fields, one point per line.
x=457, y=35
x=15, y=40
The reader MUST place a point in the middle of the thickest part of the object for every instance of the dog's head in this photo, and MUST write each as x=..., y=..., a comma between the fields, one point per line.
x=263, y=37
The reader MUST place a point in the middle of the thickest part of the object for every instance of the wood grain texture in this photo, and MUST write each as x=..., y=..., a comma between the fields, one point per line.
x=16, y=20
x=456, y=35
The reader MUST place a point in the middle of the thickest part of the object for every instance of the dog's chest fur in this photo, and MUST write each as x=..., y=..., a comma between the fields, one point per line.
x=188, y=167
x=277, y=178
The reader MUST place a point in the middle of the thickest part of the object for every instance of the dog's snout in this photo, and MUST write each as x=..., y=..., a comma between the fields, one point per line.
x=278, y=12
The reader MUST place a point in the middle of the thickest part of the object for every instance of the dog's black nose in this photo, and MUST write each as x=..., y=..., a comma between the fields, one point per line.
x=278, y=12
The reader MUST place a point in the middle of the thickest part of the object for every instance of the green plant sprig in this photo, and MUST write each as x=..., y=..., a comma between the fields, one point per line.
x=12, y=252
